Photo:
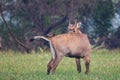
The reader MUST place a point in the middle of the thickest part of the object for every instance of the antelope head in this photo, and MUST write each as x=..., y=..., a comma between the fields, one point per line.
x=74, y=27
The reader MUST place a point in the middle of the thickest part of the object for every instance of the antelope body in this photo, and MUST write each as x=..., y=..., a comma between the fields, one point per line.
x=69, y=44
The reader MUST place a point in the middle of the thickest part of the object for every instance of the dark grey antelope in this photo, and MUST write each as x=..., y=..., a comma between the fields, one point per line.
x=74, y=45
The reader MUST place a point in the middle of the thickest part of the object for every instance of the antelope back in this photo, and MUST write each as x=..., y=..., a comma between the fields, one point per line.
x=70, y=43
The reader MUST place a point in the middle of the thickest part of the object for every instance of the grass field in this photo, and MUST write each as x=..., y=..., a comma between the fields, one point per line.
x=105, y=65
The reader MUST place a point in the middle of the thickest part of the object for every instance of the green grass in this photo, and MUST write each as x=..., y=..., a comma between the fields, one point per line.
x=105, y=65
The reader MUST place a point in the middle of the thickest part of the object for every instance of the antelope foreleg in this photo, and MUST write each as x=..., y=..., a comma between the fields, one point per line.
x=87, y=64
x=78, y=64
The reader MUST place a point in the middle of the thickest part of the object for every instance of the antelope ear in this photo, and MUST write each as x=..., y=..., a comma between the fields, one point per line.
x=75, y=22
x=69, y=23
x=69, y=26
x=78, y=24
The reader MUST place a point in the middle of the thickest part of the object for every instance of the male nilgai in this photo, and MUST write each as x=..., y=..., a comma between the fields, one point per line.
x=71, y=45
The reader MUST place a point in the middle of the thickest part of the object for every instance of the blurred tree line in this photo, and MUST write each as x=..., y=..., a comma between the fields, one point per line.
x=27, y=18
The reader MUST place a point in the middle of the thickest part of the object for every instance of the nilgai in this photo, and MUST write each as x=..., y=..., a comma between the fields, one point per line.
x=74, y=45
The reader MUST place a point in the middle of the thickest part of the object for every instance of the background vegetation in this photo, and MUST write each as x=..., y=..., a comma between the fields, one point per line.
x=26, y=18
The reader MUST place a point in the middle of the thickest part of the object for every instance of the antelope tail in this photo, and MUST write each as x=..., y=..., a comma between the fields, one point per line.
x=51, y=45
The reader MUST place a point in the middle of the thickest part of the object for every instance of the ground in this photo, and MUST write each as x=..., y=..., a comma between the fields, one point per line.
x=105, y=65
